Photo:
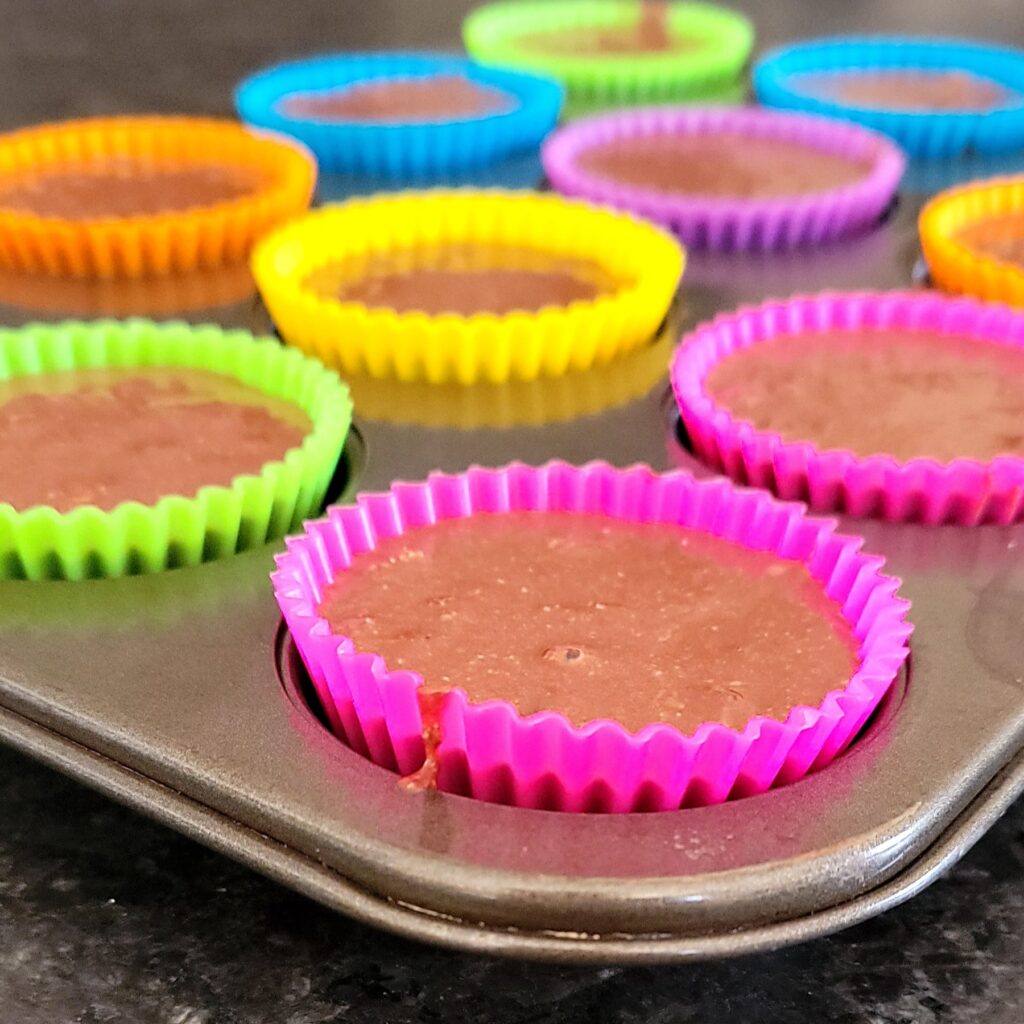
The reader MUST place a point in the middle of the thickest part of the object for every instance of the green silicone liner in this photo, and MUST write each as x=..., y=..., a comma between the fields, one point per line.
x=42, y=543
x=492, y=34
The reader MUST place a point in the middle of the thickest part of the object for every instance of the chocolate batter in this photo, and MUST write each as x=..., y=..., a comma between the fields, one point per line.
x=1001, y=238
x=651, y=33
x=907, y=90
x=100, y=437
x=597, y=618
x=465, y=279
x=397, y=100
x=903, y=393
x=125, y=187
x=721, y=165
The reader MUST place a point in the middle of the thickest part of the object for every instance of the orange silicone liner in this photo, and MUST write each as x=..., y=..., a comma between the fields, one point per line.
x=955, y=265
x=203, y=237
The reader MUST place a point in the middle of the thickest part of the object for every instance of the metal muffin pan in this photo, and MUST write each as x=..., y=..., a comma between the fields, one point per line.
x=181, y=695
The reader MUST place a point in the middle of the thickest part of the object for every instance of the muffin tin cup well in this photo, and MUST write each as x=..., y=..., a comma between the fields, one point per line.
x=964, y=491
x=408, y=151
x=490, y=752
x=179, y=530
x=448, y=347
x=178, y=241
x=956, y=266
x=734, y=223
x=532, y=403
x=494, y=34
x=922, y=133
x=171, y=295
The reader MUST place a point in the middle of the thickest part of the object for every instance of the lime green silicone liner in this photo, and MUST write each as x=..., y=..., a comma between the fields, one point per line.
x=493, y=34
x=42, y=543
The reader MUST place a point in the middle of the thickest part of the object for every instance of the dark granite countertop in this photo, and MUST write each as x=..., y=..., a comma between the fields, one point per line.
x=107, y=917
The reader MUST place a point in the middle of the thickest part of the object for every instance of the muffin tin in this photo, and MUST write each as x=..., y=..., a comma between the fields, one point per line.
x=182, y=695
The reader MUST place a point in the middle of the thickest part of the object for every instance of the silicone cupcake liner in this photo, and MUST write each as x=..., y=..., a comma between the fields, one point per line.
x=409, y=151
x=963, y=491
x=532, y=403
x=494, y=34
x=734, y=224
x=42, y=543
x=487, y=750
x=179, y=241
x=921, y=133
x=520, y=345
x=953, y=264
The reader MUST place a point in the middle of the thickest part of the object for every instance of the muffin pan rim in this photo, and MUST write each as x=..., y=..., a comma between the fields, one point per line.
x=287, y=867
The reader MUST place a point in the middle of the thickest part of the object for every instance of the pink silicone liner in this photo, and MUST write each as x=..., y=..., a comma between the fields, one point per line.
x=734, y=224
x=488, y=750
x=964, y=491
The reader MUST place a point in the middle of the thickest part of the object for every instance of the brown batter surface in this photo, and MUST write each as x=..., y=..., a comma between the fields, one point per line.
x=907, y=90
x=100, y=437
x=907, y=393
x=125, y=187
x=597, y=618
x=651, y=33
x=397, y=100
x=1001, y=238
x=463, y=279
x=721, y=165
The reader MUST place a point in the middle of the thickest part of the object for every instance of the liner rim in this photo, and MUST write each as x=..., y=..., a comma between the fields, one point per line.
x=278, y=288
x=703, y=415
x=844, y=208
x=882, y=642
x=330, y=423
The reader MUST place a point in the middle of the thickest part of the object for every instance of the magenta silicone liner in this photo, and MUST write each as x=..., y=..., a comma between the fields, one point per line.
x=491, y=752
x=734, y=224
x=963, y=491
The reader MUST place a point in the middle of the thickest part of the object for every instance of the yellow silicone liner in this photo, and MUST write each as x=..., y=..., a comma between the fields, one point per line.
x=204, y=237
x=954, y=265
x=516, y=346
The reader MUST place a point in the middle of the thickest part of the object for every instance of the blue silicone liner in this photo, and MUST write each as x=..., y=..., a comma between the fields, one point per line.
x=412, y=151
x=921, y=133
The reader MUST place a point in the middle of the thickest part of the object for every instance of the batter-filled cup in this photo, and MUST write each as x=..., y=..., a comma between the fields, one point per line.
x=730, y=179
x=973, y=239
x=467, y=285
x=402, y=117
x=935, y=97
x=135, y=447
x=906, y=406
x=590, y=638
x=143, y=196
x=614, y=53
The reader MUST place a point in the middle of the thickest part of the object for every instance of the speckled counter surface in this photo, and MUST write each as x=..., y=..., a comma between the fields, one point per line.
x=107, y=917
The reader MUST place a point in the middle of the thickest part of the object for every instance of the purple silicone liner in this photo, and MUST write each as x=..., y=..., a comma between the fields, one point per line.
x=491, y=752
x=964, y=491
x=734, y=224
